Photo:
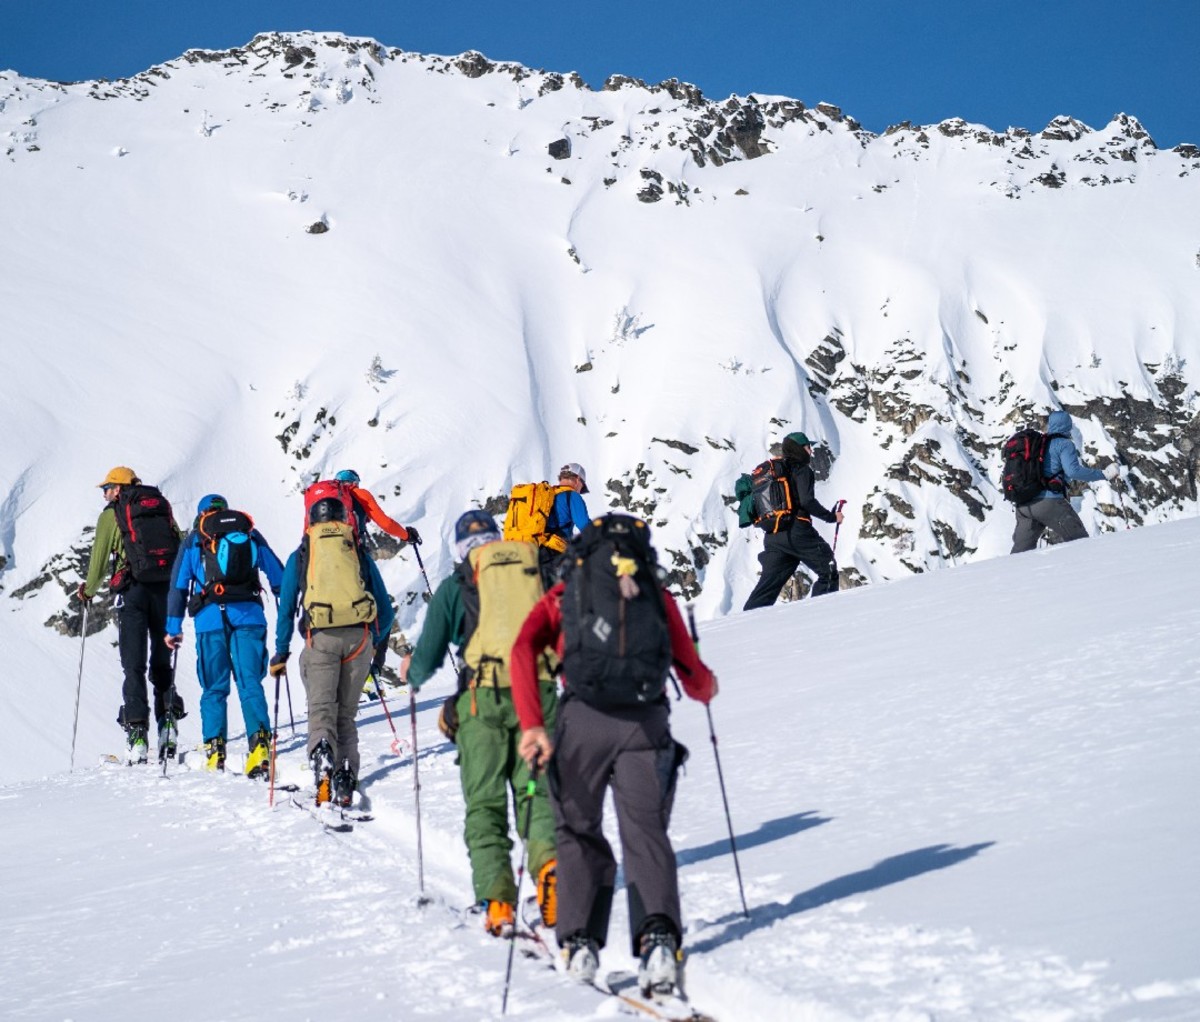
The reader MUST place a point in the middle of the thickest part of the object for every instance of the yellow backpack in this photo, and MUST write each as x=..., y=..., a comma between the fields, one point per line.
x=334, y=592
x=530, y=516
x=503, y=584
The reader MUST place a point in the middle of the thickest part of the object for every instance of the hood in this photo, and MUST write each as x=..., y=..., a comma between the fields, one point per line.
x=1059, y=422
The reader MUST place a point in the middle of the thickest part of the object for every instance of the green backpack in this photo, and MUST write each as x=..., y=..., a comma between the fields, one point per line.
x=743, y=490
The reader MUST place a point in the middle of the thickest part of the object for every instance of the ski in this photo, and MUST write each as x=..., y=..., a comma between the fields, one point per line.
x=331, y=817
x=674, y=1007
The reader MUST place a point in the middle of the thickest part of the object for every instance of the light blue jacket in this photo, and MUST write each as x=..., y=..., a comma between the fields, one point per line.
x=1062, y=459
x=570, y=513
x=188, y=574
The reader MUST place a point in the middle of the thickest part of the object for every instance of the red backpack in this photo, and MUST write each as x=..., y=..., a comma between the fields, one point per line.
x=332, y=488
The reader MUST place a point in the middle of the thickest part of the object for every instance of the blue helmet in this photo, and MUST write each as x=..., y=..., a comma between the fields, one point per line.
x=473, y=523
x=211, y=502
x=348, y=475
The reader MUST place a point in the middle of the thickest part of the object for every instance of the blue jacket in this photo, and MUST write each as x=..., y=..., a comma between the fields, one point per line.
x=1062, y=459
x=570, y=513
x=289, y=601
x=188, y=573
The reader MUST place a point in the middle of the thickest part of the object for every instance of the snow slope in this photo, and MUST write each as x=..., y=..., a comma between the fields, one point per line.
x=964, y=795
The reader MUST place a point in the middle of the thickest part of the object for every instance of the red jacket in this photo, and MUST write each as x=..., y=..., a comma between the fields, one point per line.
x=543, y=627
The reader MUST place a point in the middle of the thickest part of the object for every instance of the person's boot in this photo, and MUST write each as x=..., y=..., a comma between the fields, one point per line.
x=499, y=919
x=343, y=785
x=258, y=762
x=137, y=745
x=582, y=957
x=168, y=736
x=214, y=754
x=321, y=760
x=547, y=893
x=660, y=970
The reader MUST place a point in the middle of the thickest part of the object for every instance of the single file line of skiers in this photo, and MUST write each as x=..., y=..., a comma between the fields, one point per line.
x=554, y=599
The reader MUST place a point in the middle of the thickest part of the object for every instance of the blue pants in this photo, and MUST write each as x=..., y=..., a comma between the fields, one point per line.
x=244, y=655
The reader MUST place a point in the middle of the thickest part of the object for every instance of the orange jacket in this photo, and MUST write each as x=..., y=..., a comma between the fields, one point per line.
x=367, y=501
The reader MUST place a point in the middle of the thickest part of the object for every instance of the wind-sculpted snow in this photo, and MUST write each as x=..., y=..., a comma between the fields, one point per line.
x=964, y=796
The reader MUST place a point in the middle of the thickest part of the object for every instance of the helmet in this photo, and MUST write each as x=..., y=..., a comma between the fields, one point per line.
x=472, y=523
x=119, y=476
x=348, y=475
x=327, y=509
x=212, y=502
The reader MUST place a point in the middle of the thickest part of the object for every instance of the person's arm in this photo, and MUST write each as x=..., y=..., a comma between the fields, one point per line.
x=1072, y=468
x=269, y=563
x=698, y=681
x=385, y=613
x=105, y=543
x=289, y=599
x=443, y=625
x=183, y=574
x=541, y=629
x=804, y=481
x=375, y=512
x=577, y=511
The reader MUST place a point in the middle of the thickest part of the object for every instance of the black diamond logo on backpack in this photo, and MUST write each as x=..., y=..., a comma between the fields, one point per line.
x=602, y=629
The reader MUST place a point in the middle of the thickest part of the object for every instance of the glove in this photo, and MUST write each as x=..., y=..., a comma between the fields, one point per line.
x=1111, y=472
x=174, y=641
x=377, y=663
x=278, y=664
x=81, y=593
x=414, y=537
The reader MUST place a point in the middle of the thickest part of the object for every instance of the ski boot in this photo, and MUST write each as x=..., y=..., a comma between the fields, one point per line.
x=343, y=785
x=258, y=763
x=168, y=736
x=547, y=893
x=661, y=970
x=214, y=754
x=321, y=760
x=499, y=918
x=581, y=956
x=136, y=744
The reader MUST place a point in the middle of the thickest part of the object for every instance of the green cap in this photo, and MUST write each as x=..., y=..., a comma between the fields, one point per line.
x=799, y=438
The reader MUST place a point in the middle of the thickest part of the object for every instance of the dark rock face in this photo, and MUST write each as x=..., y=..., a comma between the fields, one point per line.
x=63, y=573
x=560, y=149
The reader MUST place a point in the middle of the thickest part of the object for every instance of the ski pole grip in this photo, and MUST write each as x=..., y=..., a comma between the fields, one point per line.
x=691, y=616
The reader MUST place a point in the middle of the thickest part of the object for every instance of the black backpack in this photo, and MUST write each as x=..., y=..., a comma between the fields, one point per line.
x=1023, y=474
x=230, y=555
x=616, y=649
x=148, y=530
x=771, y=493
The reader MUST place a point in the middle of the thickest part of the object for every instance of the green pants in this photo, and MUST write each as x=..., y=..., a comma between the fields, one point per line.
x=490, y=767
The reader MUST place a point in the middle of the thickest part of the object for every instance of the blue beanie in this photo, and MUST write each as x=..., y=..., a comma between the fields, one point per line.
x=211, y=502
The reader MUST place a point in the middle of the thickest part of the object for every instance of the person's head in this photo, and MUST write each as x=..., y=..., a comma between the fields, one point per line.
x=348, y=475
x=116, y=478
x=573, y=475
x=797, y=447
x=211, y=502
x=327, y=509
x=1059, y=422
x=473, y=528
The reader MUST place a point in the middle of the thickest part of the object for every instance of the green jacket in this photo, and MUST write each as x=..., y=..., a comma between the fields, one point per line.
x=108, y=552
x=445, y=621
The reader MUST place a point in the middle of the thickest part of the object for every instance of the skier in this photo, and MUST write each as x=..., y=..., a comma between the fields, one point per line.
x=345, y=615
x=1051, y=509
x=797, y=541
x=220, y=560
x=365, y=506
x=135, y=543
x=479, y=608
x=570, y=511
x=612, y=731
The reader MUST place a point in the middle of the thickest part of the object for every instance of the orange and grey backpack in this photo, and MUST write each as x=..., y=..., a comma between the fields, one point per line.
x=771, y=495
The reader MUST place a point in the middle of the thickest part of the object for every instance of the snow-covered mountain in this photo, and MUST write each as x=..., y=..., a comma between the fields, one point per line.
x=968, y=795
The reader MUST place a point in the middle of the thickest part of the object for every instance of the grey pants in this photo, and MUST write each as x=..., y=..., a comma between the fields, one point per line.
x=1055, y=514
x=632, y=752
x=334, y=666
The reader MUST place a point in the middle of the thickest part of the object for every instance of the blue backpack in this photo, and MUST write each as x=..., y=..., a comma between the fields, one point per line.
x=230, y=555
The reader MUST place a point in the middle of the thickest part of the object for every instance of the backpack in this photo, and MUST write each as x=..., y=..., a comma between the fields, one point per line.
x=500, y=582
x=148, y=531
x=770, y=505
x=335, y=594
x=616, y=648
x=338, y=490
x=530, y=517
x=1022, y=474
x=230, y=556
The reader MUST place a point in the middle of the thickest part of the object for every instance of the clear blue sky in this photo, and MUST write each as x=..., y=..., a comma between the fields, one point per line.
x=1019, y=62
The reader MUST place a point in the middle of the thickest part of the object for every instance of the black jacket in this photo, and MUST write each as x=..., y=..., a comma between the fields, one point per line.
x=804, y=497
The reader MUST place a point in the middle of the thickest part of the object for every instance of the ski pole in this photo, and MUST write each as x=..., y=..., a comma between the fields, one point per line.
x=429, y=590
x=170, y=708
x=837, y=528
x=833, y=572
x=274, y=742
x=383, y=702
x=79, y=682
x=530, y=788
x=288, y=687
x=412, y=715
x=1121, y=501
x=720, y=775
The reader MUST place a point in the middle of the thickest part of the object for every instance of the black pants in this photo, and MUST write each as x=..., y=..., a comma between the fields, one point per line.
x=141, y=628
x=783, y=553
x=632, y=753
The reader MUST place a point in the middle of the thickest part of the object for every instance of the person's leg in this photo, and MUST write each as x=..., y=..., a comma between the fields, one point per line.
x=212, y=668
x=778, y=562
x=484, y=748
x=1027, y=530
x=132, y=639
x=817, y=556
x=1060, y=517
x=357, y=653
x=248, y=651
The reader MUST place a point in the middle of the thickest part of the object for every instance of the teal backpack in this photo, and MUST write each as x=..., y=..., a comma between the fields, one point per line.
x=743, y=490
